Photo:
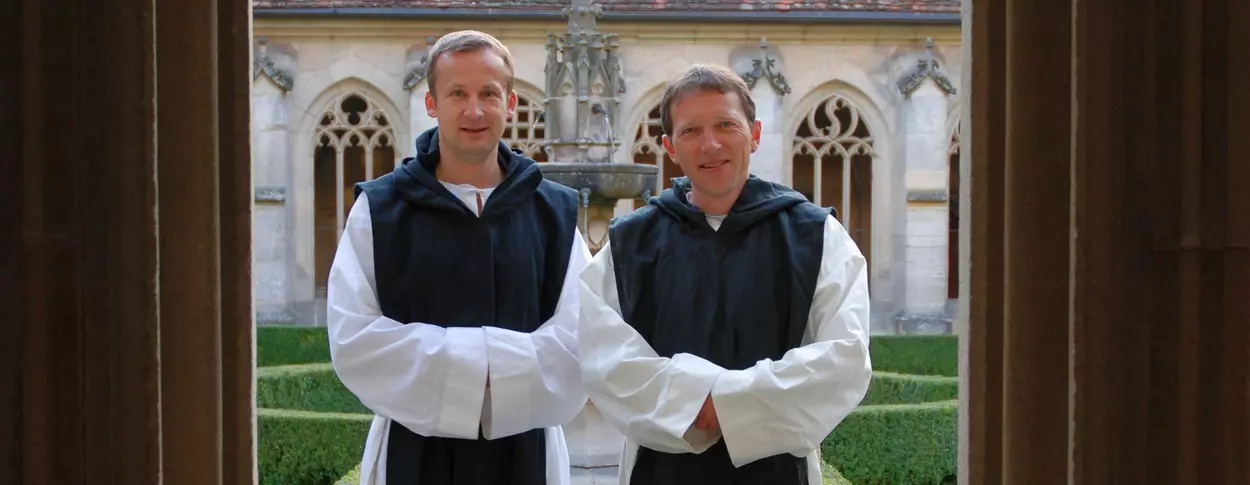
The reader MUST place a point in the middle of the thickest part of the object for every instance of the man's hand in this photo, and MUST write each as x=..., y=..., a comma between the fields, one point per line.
x=706, y=420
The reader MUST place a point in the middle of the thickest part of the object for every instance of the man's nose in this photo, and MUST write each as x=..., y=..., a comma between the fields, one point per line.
x=474, y=107
x=709, y=142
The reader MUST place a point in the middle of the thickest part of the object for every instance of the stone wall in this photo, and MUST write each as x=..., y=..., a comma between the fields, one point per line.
x=863, y=64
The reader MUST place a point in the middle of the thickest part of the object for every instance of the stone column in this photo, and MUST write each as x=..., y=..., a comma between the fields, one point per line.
x=418, y=119
x=1037, y=205
x=925, y=155
x=126, y=260
x=1112, y=253
x=271, y=160
x=981, y=220
x=758, y=64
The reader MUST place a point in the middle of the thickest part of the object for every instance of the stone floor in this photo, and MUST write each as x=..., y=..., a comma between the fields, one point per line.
x=594, y=476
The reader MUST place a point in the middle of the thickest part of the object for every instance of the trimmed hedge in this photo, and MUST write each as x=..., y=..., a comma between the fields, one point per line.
x=307, y=448
x=351, y=478
x=930, y=355
x=927, y=355
x=308, y=387
x=828, y=475
x=315, y=387
x=891, y=388
x=904, y=432
x=291, y=344
x=914, y=444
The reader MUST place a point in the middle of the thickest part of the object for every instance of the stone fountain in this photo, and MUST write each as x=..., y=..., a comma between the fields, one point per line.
x=582, y=113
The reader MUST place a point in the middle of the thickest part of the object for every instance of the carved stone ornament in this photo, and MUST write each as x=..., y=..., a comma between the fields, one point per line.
x=417, y=74
x=264, y=65
x=765, y=67
x=927, y=68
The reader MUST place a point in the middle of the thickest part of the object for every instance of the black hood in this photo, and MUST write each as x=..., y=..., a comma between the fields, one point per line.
x=758, y=200
x=416, y=181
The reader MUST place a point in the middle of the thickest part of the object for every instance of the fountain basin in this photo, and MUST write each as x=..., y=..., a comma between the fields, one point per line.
x=607, y=182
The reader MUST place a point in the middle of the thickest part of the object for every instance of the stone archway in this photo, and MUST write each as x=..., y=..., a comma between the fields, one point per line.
x=354, y=141
x=832, y=164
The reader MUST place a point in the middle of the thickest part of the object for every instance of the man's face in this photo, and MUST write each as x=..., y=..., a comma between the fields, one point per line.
x=473, y=101
x=712, y=141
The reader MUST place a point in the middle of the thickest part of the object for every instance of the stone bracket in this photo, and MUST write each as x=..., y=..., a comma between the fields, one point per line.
x=765, y=67
x=417, y=73
x=926, y=68
x=264, y=65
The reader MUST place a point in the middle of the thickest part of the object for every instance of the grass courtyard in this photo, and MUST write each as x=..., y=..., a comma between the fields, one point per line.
x=312, y=429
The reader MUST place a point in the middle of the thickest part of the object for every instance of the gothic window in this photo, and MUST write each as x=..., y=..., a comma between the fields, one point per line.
x=952, y=230
x=832, y=160
x=524, y=131
x=649, y=149
x=353, y=142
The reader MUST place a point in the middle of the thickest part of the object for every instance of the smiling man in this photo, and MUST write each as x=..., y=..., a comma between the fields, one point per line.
x=724, y=326
x=453, y=297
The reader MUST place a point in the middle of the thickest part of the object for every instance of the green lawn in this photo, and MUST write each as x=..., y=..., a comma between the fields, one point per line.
x=312, y=429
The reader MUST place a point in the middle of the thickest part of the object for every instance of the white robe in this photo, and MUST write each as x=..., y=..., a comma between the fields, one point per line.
x=431, y=379
x=787, y=406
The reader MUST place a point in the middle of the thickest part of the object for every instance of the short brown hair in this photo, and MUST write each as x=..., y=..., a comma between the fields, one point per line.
x=704, y=77
x=467, y=41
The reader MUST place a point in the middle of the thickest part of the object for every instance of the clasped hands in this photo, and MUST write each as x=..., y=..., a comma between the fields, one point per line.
x=707, y=420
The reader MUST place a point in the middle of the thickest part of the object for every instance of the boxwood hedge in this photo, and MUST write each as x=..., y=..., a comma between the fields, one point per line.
x=312, y=429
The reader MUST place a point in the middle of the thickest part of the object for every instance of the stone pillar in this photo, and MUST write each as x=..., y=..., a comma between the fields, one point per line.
x=271, y=160
x=767, y=162
x=236, y=213
x=981, y=220
x=758, y=64
x=925, y=155
x=415, y=83
x=1112, y=247
x=1036, y=255
x=127, y=281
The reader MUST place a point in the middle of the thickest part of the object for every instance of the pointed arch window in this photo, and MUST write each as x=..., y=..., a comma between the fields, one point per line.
x=832, y=157
x=353, y=142
x=525, y=132
x=649, y=149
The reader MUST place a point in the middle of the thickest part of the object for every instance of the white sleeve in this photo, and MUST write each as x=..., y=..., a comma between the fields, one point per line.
x=791, y=405
x=428, y=378
x=535, y=380
x=652, y=400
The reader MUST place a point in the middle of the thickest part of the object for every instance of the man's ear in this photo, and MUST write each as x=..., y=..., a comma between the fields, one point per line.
x=430, y=107
x=668, y=146
x=756, y=129
x=512, y=100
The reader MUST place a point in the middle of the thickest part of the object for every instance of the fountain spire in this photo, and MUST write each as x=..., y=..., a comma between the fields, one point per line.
x=582, y=15
x=584, y=79
x=581, y=114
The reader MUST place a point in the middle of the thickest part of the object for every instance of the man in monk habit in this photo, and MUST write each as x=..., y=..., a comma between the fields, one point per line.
x=453, y=296
x=724, y=326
